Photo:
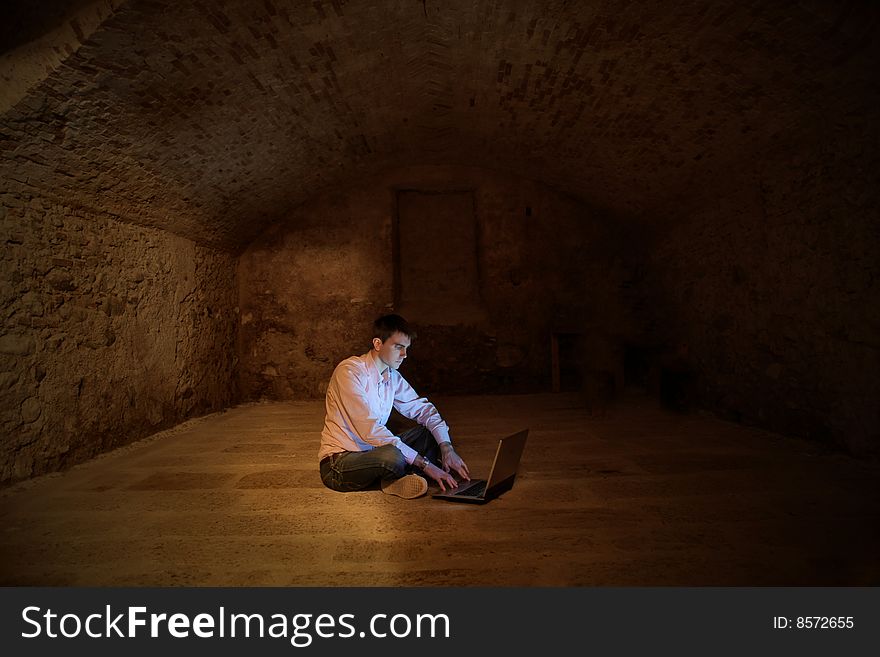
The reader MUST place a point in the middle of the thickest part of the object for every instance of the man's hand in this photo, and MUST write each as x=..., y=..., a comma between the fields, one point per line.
x=452, y=461
x=442, y=477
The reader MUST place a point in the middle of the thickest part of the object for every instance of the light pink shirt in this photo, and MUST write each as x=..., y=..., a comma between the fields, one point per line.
x=359, y=402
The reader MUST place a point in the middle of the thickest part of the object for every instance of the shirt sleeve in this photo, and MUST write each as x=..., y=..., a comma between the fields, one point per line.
x=410, y=405
x=363, y=419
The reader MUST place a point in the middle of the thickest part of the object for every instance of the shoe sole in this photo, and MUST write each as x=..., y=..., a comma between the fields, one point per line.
x=408, y=487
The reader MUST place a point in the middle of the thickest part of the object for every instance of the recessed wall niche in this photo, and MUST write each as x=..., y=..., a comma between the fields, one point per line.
x=480, y=282
x=436, y=261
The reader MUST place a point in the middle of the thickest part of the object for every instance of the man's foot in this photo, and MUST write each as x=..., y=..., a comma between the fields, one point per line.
x=408, y=487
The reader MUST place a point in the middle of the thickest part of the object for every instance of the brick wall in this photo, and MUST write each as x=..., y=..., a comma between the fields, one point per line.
x=314, y=282
x=110, y=333
x=773, y=284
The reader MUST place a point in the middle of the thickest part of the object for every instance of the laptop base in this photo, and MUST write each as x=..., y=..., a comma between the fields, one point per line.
x=489, y=495
x=467, y=499
x=501, y=476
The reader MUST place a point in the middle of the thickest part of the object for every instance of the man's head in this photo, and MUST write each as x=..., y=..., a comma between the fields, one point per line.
x=392, y=336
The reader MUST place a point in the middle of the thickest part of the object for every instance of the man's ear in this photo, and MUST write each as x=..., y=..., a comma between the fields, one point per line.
x=377, y=344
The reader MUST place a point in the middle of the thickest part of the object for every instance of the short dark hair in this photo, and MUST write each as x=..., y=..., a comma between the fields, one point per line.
x=388, y=325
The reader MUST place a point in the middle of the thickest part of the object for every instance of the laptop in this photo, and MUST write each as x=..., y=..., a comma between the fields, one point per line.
x=480, y=491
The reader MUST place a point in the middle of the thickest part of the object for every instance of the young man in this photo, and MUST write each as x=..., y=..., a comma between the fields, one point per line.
x=357, y=449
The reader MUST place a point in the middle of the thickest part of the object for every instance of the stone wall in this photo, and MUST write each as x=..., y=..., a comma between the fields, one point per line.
x=774, y=285
x=311, y=286
x=110, y=333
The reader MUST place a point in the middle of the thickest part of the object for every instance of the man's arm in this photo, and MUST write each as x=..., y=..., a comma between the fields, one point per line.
x=350, y=398
x=442, y=477
x=452, y=461
x=410, y=405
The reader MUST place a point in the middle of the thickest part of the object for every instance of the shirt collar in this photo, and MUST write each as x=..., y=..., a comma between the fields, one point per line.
x=374, y=361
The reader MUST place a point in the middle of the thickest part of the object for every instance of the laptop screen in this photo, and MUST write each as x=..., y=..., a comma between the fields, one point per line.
x=507, y=458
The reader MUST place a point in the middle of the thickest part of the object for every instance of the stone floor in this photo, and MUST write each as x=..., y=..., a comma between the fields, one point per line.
x=638, y=497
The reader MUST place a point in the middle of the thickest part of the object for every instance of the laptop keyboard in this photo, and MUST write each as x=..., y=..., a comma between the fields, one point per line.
x=473, y=490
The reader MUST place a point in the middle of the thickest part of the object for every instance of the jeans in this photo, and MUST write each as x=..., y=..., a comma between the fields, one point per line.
x=350, y=471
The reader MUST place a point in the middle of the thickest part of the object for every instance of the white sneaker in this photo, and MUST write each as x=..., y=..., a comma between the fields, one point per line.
x=408, y=487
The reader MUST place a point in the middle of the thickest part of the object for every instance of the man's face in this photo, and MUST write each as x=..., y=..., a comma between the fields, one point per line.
x=392, y=352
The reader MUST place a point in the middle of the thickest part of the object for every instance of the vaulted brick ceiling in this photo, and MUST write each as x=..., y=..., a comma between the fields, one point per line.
x=211, y=118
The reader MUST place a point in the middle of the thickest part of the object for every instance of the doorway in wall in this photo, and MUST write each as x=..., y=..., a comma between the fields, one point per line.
x=436, y=258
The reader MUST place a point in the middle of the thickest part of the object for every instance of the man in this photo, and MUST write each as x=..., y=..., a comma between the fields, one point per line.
x=357, y=449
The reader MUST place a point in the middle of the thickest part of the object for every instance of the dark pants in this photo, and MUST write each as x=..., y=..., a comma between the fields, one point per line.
x=350, y=471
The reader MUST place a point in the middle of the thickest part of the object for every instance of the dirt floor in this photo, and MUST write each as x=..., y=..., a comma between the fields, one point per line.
x=640, y=496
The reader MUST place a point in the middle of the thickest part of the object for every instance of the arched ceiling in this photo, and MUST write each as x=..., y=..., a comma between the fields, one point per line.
x=209, y=118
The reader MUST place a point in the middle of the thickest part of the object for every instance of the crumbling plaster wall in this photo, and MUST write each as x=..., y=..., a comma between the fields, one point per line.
x=312, y=284
x=774, y=284
x=110, y=333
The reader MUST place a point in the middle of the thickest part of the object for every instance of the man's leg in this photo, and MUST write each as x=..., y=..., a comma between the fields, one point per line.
x=421, y=440
x=350, y=471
